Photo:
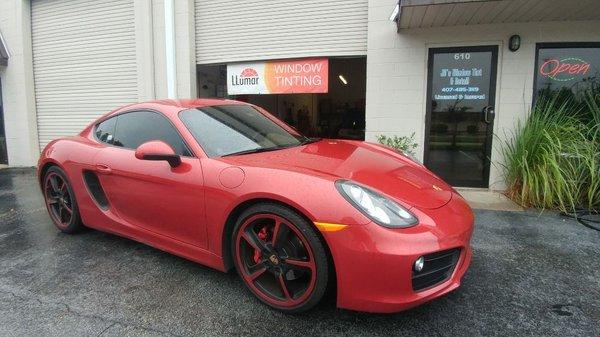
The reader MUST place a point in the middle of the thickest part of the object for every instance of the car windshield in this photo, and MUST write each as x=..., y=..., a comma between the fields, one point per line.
x=224, y=130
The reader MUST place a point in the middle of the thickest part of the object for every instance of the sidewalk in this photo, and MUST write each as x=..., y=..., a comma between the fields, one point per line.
x=490, y=200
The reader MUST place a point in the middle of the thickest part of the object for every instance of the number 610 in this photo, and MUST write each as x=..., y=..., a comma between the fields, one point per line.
x=462, y=56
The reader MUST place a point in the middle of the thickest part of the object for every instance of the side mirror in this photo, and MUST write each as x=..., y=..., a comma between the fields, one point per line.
x=158, y=150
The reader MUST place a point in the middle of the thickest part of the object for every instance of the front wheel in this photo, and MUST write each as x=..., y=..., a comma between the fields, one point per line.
x=280, y=258
x=60, y=201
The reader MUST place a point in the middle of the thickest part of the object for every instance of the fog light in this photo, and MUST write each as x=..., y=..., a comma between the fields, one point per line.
x=419, y=264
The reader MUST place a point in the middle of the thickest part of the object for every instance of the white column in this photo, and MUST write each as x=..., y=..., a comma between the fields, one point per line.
x=18, y=92
x=144, y=26
x=171, y=66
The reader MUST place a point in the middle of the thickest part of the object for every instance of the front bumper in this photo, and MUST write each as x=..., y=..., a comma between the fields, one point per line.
x=374, y=264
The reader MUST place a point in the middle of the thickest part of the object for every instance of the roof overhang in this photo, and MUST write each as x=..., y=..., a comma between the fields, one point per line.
x=443, y=13
x=3, y=51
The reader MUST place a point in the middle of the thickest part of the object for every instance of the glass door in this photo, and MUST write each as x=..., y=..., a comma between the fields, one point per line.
x=461, y=88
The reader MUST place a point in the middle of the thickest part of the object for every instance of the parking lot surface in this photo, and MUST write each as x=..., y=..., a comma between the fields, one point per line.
x=532, y=274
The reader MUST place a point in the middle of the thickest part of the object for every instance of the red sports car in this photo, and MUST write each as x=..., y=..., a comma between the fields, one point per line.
x=226, y=184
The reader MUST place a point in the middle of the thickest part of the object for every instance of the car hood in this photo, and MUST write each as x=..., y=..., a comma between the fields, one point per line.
x=369, y=164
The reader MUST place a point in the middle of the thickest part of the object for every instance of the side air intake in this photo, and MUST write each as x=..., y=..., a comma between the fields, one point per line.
x=95, y=189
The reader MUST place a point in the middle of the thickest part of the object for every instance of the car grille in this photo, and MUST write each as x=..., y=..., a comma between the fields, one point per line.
x=438, y=267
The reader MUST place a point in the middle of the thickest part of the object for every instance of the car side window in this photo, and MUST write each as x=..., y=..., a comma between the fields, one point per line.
x=105, y=131
x=135, y=128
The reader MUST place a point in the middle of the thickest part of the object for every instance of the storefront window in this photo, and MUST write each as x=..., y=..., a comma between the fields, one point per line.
x=567, y=69
x=337, y=112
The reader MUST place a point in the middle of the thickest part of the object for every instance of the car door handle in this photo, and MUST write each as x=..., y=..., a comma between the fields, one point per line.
x=104, y=169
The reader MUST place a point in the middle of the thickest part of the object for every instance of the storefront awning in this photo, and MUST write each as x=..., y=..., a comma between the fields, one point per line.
x=441, y=13
x=3, y=51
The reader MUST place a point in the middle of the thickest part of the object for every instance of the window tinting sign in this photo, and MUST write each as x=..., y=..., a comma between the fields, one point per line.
x=278, y=77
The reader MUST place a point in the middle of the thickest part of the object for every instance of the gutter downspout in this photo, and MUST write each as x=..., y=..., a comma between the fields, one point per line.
x=171, y=66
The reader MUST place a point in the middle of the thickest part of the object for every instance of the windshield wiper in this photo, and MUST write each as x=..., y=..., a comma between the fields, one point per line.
x=310, y=140
x=257, y=150
x=273, y=148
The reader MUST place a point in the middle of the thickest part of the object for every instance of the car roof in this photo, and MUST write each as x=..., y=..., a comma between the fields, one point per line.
x=173, y=106
x=194, y=103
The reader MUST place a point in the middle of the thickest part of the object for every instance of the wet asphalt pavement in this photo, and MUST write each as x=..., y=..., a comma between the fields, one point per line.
x=531, y=274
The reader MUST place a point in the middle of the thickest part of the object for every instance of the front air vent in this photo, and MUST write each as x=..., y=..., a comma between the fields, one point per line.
x=95, y=189
x=437, y=268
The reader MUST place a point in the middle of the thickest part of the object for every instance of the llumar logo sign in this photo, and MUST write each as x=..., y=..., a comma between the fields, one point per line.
x=248, y=76
x=565, y=69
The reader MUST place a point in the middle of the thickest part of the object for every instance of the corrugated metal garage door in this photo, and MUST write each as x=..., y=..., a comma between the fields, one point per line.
x=229, y=31
x=84, y=62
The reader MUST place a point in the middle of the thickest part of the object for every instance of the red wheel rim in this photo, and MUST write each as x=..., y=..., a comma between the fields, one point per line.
x=275, y=260
x=58, y=200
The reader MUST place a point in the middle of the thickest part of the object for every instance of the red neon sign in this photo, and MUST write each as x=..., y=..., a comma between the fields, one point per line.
x=565, y=69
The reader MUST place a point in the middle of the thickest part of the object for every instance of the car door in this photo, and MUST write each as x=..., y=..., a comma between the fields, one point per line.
x=151, y=194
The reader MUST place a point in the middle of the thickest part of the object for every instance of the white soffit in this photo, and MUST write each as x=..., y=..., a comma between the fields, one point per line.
x=441, y=13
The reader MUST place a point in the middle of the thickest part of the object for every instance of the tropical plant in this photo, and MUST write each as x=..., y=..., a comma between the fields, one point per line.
x=592, y=101
x=405, y=144
x=552, y=159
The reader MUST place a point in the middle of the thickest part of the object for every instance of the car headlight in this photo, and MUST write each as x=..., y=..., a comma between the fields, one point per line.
x=376, y=207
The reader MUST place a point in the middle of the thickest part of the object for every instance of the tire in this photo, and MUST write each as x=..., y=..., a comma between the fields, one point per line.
x=60, y=201
x=287, y=268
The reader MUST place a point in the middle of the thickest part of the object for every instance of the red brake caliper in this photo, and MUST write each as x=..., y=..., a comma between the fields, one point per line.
x=262, y=234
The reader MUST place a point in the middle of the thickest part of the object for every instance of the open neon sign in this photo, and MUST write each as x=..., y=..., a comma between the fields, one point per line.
x=565, y=69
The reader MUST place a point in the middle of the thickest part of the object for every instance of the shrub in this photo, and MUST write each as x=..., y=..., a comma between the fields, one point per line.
x=402, y=143
x=592, y=102
x=552, y=159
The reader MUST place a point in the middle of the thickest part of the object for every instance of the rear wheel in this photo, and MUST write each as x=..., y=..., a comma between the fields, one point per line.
x=280, y=258
x=60, y=201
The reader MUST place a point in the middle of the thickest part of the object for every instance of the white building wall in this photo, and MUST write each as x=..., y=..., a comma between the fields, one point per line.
x=17, y=84
x=397, y=71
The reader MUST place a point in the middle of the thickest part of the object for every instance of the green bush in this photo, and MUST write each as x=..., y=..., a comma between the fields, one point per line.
x=552, y=159
x=402, y=143
x=592, y=102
